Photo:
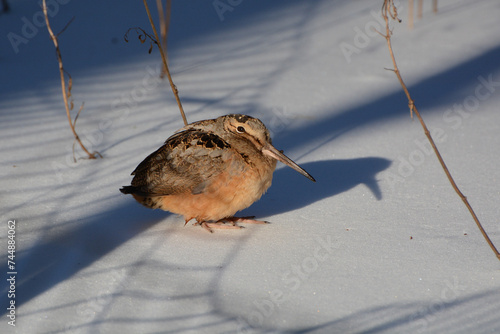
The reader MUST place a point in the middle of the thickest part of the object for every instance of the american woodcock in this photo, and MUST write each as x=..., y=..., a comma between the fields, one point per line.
x=209, y=170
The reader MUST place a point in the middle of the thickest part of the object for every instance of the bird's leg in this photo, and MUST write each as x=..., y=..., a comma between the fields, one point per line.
x=246, y=220
x=218, y=224
x=232, y=223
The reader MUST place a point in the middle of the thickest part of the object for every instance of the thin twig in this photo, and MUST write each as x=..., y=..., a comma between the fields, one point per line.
x=389, y=10
x=78, y=114
x=164, y=25
x=66, y=92
x=66, y=26
x=167, y=25
x=410, y=14
x=165, y=64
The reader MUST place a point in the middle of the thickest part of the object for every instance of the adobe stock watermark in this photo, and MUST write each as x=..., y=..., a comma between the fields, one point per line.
x=280, y=119
x=453, y=118
x=427, y=314
x=363, y=37
x=120, y=107
x=223, y=6
x=30, y=28
x=292, y=281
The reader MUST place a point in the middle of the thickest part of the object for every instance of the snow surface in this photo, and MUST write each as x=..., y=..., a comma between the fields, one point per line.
x=380, y=244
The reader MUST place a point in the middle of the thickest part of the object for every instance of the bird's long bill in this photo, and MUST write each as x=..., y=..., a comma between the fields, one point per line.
x=271, y=151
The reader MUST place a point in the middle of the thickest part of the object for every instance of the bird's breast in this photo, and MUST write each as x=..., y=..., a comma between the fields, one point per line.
x=245, y=179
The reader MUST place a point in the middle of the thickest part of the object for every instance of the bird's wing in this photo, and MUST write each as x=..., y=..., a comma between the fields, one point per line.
x=187, y=162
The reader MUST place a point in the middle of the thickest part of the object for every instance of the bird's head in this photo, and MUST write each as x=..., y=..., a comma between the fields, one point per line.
x=255, y=132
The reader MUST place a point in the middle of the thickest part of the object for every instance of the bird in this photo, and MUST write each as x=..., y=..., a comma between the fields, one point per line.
x=209, y=170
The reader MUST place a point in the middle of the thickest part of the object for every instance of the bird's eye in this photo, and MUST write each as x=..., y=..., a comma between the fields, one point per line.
x=240, y=129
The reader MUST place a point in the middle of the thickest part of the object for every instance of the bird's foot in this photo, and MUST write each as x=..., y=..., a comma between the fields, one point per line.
x=246, y=220
x=209, y=226
x=229, y=223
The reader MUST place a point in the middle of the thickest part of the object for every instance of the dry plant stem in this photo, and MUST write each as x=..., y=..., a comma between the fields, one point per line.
x=388, y=9
x=164, y=25
x=165, y=64
x=63, y=86
x=435, y=6
x=167, y=23
x=410, y=14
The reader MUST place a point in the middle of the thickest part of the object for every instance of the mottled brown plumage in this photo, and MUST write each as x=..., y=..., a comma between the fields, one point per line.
x=209, y=170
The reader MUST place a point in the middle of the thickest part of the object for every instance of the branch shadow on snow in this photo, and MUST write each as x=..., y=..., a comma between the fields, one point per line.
x=59, y=256
x=441, y=90
x=477, y=312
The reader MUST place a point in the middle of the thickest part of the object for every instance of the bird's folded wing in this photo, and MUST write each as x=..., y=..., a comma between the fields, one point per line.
x=187, y=162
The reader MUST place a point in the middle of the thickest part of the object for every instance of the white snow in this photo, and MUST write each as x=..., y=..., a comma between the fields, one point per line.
x=380, y=244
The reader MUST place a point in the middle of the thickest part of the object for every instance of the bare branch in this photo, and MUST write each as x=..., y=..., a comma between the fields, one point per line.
x=66, y=92
x=78, y=114
x=164, y=25
x=389, y=10
x=66, y=26
x=165, y=64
